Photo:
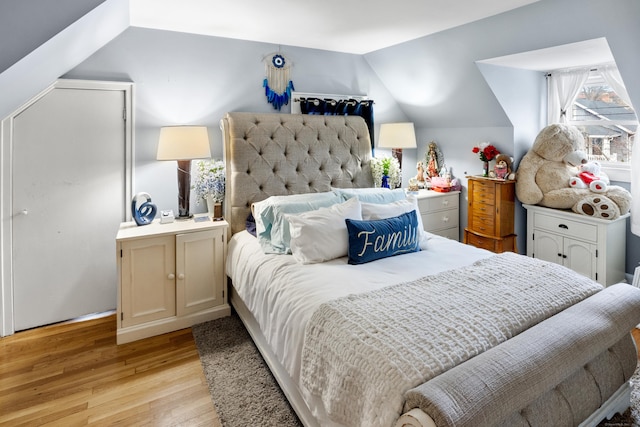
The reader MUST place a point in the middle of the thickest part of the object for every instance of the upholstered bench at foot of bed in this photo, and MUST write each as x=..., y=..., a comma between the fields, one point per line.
x=556, y=373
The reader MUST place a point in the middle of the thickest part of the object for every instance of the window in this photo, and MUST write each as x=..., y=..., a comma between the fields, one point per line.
x=608, y=123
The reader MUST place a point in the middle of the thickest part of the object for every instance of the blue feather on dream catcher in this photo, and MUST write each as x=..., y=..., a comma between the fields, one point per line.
x=277, y=82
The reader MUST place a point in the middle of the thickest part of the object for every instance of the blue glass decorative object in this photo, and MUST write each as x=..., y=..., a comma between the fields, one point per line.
x=144, y=213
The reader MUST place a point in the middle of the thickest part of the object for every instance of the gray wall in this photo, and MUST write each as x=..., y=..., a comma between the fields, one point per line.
x=439, y=85
x=433, y=81
x=190, y=79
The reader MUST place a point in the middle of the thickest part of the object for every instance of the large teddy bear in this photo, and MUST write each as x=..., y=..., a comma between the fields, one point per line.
x=545, y=171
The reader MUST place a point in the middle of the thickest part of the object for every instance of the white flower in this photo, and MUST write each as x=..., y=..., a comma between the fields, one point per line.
x=210, y=180
x=385, y=166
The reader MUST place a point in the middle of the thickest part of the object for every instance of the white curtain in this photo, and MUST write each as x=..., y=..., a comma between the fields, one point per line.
x=612, y=76
x=563, y=89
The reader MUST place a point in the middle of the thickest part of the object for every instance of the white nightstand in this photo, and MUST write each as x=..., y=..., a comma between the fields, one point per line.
x=171, y=276
x=440, y=212
x=594, y=247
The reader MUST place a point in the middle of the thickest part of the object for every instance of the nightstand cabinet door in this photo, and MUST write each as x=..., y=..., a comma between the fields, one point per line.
x=548, y=247
x=199, y=271
x=148, y=284
x=580, y=257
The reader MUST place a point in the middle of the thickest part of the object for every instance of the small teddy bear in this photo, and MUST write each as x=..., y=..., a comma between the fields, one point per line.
x=503, y=168
x=590, y=176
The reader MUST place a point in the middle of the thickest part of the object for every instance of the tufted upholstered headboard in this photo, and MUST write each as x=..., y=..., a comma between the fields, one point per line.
x=280, y=154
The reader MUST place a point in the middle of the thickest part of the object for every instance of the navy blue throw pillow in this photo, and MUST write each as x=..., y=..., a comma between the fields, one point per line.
x=372, y=240
x=250, y=224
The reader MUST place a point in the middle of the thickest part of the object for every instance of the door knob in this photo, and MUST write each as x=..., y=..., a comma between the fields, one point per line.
x=171, y=276
x=181, y=276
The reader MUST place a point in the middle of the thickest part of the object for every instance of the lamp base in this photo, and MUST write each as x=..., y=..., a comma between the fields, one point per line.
x=184, y=218
x=184, y=189
x=397, y=153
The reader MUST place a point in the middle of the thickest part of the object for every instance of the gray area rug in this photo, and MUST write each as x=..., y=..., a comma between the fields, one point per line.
x=245, y=393
x=242, y=388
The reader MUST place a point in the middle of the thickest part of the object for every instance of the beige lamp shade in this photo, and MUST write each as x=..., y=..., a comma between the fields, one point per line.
x=397, y=135
x=183, y=143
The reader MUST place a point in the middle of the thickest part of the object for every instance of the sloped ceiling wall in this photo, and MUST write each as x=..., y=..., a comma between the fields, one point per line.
x=39, y=68
x=435, y=79
x=27, y=24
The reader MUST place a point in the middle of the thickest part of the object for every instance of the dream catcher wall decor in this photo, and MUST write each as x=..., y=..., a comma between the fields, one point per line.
x=277, y=82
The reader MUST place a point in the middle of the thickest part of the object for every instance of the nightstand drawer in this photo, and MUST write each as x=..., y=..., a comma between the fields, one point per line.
x=449, y=233
x=438, y=203
x=440, y=220
x=565, y=227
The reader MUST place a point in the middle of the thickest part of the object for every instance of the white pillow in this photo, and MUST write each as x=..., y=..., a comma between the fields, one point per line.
x=373, y=211
x=272, y=228
x=321, y=235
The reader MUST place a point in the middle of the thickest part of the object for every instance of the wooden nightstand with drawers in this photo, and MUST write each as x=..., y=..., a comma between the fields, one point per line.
x=490, y=214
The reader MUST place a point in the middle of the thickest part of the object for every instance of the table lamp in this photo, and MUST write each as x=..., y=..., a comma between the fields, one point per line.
x=183, y=143
x=397, y=136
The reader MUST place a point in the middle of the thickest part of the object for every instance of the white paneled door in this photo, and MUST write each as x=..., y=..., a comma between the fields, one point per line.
x=68, y=198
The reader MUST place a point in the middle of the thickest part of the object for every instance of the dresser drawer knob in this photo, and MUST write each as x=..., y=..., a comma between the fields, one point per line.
x=445, y=219
x=566, y=227
x=445, y=202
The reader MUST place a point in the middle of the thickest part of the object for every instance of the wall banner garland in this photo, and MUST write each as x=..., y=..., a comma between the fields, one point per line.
x=277, y=82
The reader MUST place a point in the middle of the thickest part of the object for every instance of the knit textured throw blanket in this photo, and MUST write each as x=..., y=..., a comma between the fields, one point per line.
x=362, y=352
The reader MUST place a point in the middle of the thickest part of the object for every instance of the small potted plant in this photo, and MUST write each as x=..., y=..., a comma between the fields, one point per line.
x=385, y=172
x=210, y=185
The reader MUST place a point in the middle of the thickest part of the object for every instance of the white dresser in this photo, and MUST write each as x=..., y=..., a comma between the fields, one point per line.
x=591, y=246
x=440, y=212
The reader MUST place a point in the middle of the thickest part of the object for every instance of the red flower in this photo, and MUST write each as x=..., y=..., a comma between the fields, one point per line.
x=486, y=151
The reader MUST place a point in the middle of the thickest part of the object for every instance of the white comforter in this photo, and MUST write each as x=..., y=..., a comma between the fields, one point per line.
x=362, y=352
x=282, y=294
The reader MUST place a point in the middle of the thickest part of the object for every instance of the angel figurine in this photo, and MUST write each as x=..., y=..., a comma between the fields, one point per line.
x=420, y=169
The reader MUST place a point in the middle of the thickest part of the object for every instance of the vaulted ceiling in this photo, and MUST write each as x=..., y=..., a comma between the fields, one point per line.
x=349, y=26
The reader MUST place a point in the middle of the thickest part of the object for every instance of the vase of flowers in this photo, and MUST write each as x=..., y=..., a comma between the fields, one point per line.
x=210, y=185
x=486, y=152
x=385, y=172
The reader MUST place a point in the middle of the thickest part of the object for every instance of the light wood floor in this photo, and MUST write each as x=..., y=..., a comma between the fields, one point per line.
x=74, y=374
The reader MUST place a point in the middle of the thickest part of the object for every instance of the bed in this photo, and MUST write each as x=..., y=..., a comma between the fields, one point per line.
x=429, y=337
